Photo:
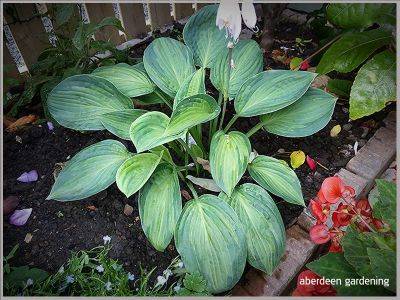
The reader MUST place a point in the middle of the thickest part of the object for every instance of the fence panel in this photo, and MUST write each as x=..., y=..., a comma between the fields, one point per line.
x=160, y=15
x=30, y=37
x=183, y=10
x=99, y=11
x=134, y=21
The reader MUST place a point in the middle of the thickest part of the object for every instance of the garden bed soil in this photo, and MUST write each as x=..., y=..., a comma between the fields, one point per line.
x=61, y=227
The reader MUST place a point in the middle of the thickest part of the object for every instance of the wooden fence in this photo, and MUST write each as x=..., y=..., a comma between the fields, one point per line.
x=24, y=41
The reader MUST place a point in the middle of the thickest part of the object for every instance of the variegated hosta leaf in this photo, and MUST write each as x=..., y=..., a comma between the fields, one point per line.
x=193, y=85
x=155, y=128
x=263, y=225
x=211, y=241
x=148, y=131
x=160, y=205
x=270, y=91
x=119, y=122
x=129, y=80
x=277, y=178
x=203, y=37
x=79, y=101
x=205, y=183
x=164, y=153
x=90, y=171
x=135, y=172
x=191, y=111
x=168, y=63
x=305, y=117
x=247, y=59
x=229, y=156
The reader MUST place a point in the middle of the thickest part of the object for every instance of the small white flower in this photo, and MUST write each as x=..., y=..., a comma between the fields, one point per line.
x=108, y=285
x=61, y=270
x=131, y=277
x=229, y=17
x=161, y=280
x=167, y=273
x=70, y=279
x=177, y=288
x=180, y=264
x=106, y=239
x=249, y=14
x=100, y=269
x=29, y=282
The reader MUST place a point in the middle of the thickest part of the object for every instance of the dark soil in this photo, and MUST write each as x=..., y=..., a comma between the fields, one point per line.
x=61, y=227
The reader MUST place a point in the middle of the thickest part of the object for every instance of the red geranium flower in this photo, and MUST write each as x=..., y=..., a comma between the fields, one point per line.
x=319, y=234
x=363, y=208
x=342, y=215
x=319, y=210
x=310, y=284
x=335, y=247
x=333, y=189
x=321, y=197
x=304, y=65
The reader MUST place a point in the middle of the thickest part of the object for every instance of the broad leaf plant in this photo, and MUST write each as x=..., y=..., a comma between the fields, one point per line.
x=215, y=234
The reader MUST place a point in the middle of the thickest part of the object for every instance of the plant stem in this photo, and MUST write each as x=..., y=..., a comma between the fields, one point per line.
x=187, y=149
x=165, y=100
x=226, y=97
x=320, y=50
x=231, y=121
x=223, y=114
x=189, y=184
x=214, y=122
x=256, y=128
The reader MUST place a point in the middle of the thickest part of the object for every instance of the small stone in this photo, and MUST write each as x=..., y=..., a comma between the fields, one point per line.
x=128, y=210
x=18, y=139
x=347, y=126
x=28, y=238
x=361, y=143
x=281, y=150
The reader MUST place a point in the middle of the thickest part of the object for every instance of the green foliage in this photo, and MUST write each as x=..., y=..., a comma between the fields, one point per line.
x=375, y=82
x=74, y=47
x=213, y=241
x=369, y=255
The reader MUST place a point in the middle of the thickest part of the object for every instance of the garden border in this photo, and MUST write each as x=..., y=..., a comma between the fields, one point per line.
x=360, y=172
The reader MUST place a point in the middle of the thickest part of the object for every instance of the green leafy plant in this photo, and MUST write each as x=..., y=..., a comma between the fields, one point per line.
x=214, y=234
x=359, y=44
x=364, y=256
x=75, y=52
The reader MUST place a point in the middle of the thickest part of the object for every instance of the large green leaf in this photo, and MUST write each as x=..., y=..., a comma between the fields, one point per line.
x=357, y=15
x=148, y=131
x=211, y=241
x=340, y=87
x=193, y=85
x=119, y=122
x=270, y=91
x=335, y=266
x=135, y=172
x=79, y=101
x=277, y=178
x=263, y=225
x=352, y=49
x=130, y=80
x=160, y=205
x=383, y=265
x=305, y=117
x=203, y=37
x=168, y=63
x=385, y=207
x=229, y=156
x=374, y=86
x=247, y=60
x=90, y=171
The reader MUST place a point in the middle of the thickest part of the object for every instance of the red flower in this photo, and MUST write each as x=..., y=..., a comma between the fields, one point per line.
x=310, y=284
x=342, y=215
x=333, y=189
x=319, y=210
x=321, y=197
x=304, y=65
x=335, y=247
x=363, y=208
x=319, y=234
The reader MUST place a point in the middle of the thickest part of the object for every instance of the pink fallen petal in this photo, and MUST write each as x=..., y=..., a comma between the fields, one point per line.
x=311, y=163
x=20, y=216
x=50, y=126
x=28, y=176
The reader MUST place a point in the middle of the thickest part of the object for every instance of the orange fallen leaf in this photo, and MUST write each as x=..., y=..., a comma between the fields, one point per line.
x=22, y=122
x=7, y=121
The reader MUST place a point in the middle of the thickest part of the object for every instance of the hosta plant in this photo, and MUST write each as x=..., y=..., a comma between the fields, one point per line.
x=214, y=233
